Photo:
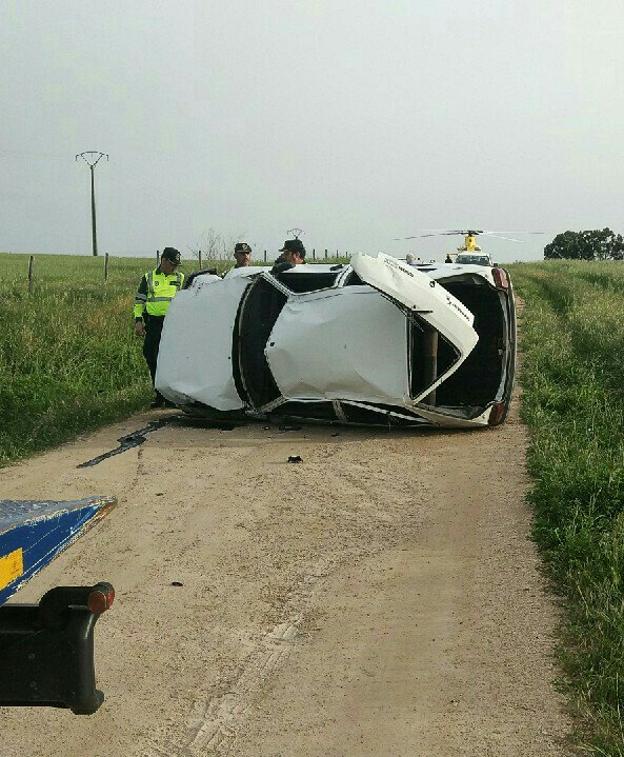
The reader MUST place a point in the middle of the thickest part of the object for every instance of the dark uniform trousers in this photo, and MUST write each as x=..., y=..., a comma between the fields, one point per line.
x=151, y=344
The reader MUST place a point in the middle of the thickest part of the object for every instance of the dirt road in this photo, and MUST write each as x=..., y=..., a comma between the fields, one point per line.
x=380, y=598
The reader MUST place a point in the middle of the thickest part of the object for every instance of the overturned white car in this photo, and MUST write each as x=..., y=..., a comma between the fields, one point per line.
x=376, y=342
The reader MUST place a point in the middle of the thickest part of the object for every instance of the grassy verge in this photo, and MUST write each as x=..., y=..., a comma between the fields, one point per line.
x=68, y=358
x=573, y=343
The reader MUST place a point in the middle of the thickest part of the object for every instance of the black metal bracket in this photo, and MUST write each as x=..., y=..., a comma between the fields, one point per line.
x=135, y=439
x=46, y=650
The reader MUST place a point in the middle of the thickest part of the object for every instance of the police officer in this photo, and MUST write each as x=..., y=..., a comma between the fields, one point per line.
x=156, y=290
x=242, y=255
x=293, y=252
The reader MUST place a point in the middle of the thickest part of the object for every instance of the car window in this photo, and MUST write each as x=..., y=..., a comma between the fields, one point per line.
x=473, y=259
x=315, y=410
x=260, y=309
x=353, y=279
x=301, y=281
x=376, y=414
x=423, y=372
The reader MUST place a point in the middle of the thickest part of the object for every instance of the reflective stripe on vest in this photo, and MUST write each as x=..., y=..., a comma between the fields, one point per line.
x=161, y=289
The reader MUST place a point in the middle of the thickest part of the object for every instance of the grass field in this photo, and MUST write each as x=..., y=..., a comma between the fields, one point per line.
x=68, y=358
x=572, y=335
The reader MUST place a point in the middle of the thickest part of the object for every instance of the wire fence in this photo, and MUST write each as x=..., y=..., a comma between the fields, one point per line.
x=322, y=256
x=198, y=262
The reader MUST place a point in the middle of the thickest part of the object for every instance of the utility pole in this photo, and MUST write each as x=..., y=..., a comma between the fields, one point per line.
x=92, y=158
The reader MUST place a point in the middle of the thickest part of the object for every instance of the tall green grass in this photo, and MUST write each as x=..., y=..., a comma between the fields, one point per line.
x=572, y=333
x=68, y=358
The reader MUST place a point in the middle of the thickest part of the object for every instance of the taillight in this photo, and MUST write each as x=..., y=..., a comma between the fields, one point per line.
x=497, y=413
x=101, y=598
x=500, y=278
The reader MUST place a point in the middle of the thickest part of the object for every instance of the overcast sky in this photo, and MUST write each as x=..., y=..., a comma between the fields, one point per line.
x=357, y=121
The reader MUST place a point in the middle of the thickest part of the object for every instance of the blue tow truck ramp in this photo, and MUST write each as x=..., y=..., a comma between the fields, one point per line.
x=46, y=649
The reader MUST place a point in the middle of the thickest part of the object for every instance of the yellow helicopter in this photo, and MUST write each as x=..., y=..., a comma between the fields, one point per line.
x=470, y=242
x=470, y=246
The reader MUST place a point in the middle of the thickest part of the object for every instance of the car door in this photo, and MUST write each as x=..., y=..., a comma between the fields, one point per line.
x=415, y=292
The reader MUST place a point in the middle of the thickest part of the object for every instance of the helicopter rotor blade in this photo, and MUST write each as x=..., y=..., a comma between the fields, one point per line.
x=419, y=236
x=467, y=232
x=436, y=234
x=498, y=231
x=509, y=239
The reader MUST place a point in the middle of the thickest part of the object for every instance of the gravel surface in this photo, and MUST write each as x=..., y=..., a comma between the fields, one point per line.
x=381, y=597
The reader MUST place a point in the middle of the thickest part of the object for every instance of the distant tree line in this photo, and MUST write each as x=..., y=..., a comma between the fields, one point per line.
x=597, y=244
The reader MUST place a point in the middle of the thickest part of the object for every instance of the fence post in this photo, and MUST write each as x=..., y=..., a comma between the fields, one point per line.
x=326, y=253
x=31, y=265
x=200, y=260
x=157, y=257
x=265, y=256
x=314, y=253
x=106, y=267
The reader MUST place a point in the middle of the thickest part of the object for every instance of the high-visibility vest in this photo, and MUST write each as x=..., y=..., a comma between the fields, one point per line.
x=161, y=289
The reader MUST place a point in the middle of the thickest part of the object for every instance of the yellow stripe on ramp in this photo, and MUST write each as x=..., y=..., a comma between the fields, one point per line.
x=11, y=567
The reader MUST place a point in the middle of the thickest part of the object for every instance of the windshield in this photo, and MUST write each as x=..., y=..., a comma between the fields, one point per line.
x=473, y=259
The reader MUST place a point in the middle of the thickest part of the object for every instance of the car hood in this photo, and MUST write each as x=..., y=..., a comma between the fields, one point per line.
x=195, y=355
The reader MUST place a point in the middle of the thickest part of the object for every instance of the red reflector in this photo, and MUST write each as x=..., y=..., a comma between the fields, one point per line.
x=500, y=278
x=101, y=599
x=497, y=413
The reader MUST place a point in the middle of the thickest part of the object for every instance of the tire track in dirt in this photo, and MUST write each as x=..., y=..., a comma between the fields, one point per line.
x=214, y=725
